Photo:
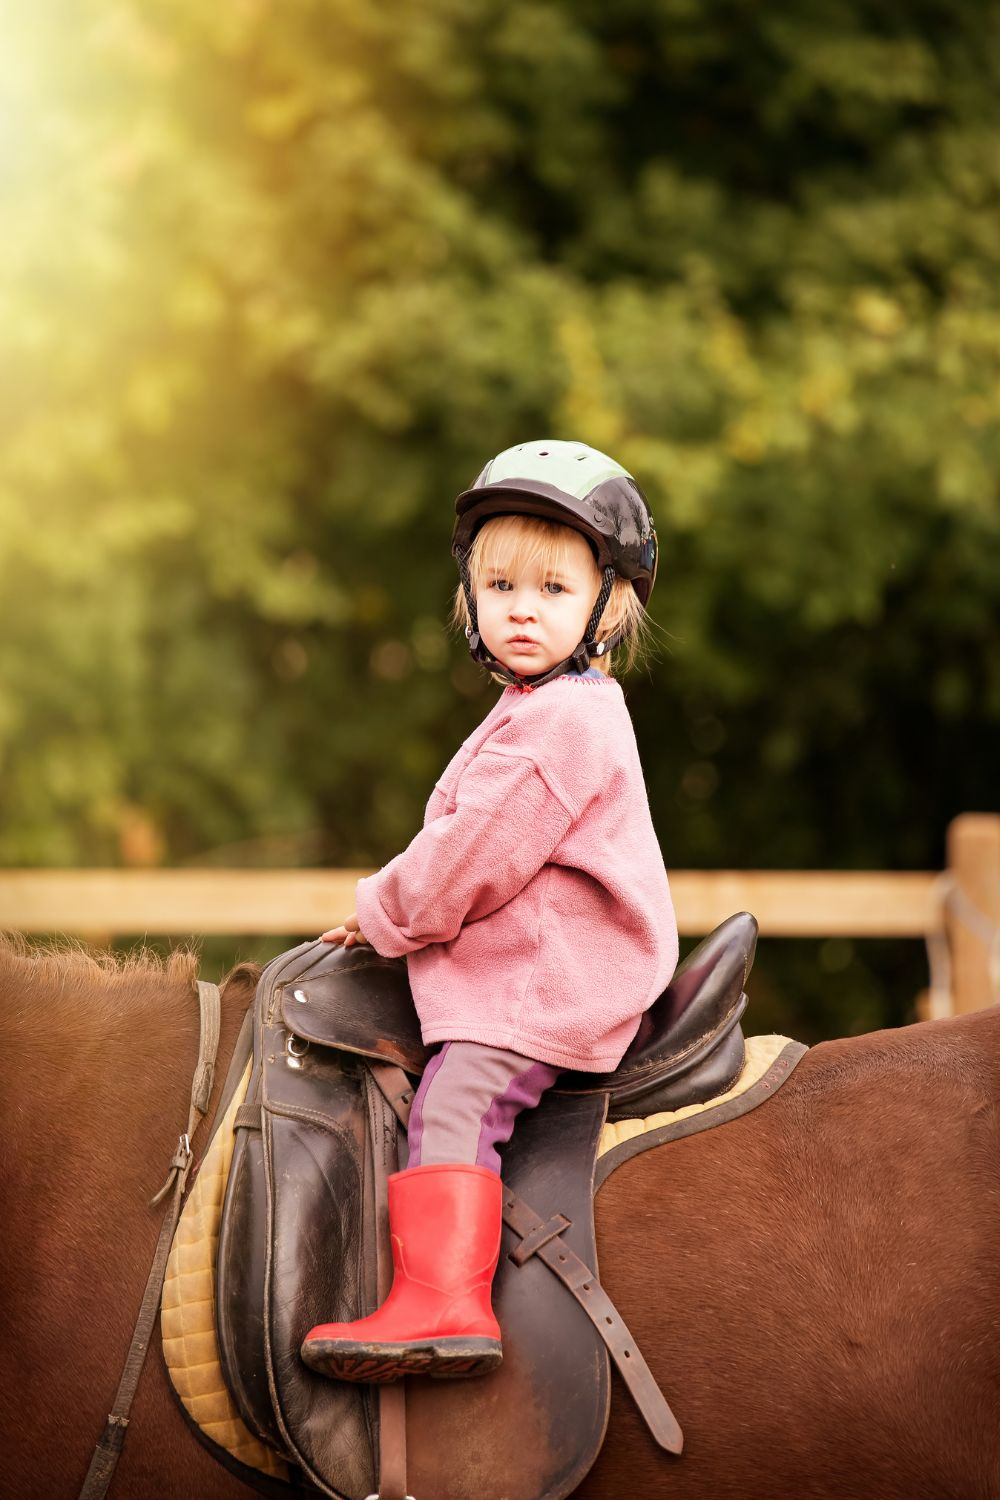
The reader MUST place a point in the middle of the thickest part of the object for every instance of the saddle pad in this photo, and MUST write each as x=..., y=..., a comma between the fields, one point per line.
x=761, y=1052
x=187, y=1308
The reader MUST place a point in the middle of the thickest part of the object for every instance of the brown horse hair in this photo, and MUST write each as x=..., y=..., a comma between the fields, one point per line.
x=67, y=968
x=67, y=957
x=90, y=992
x=95, y=1080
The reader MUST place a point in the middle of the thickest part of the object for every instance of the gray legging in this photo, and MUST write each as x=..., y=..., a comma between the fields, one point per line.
x=467, y=1102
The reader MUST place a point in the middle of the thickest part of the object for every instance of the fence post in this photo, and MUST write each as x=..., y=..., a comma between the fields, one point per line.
x=973, y=913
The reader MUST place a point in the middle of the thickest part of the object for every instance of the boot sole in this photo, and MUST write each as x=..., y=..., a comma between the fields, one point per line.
x=377, y=1364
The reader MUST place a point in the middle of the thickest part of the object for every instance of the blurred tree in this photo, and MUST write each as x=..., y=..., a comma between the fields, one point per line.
x=276, y=280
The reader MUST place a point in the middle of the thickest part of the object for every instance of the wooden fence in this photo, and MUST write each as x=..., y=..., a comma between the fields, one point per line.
x=956, y=911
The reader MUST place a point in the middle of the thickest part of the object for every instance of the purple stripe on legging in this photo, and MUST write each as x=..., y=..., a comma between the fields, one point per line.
x=523, y=1092
x=415, y=1129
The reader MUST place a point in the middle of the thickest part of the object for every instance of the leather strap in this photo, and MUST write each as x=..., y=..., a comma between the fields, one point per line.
x=544, y=1239
x=533, y=1242
x=209, y=1014
x=111, y=1441
x=392, y=1442
x=247, y=1117
x=396, y=1088
x=383, y=1133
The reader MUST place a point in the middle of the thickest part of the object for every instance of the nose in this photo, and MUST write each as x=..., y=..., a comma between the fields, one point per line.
x=522, y=606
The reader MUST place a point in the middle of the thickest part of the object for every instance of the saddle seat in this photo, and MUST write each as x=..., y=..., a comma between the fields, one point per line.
x=689, y=1046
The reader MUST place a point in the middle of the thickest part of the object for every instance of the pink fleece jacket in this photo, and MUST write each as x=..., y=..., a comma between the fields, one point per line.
x=534, y=905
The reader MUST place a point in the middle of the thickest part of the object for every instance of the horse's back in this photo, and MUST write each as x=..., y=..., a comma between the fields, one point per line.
x=816, y=1283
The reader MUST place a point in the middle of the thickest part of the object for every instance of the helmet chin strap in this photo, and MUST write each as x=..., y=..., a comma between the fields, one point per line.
x=578, y=662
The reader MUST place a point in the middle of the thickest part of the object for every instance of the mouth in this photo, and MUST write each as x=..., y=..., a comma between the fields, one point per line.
x=522, y=642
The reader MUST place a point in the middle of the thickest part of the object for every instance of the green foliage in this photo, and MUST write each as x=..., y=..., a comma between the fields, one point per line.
x=276, y=280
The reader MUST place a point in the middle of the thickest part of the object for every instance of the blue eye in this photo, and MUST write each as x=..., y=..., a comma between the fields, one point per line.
x=502, y=585
x=557, y=586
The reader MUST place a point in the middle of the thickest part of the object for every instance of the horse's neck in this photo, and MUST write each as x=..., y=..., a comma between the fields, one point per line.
x=95, y=1079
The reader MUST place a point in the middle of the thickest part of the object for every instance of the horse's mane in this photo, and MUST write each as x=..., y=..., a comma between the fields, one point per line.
x=61, y=992
x=70, y=964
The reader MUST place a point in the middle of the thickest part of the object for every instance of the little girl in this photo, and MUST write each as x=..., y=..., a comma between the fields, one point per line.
x=533, y=906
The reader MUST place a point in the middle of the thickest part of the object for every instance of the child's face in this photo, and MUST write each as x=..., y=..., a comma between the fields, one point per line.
x=532, y=621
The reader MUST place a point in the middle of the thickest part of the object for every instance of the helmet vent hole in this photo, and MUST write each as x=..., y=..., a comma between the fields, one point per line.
x=543, y=455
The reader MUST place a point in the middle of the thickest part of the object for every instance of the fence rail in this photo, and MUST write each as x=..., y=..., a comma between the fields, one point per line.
x=957, y=909
x=786, y=903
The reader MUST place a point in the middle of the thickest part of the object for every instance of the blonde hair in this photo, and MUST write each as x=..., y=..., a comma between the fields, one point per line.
x=510, y=544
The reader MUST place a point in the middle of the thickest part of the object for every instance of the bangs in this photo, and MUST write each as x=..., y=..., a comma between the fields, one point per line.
x=511, y=544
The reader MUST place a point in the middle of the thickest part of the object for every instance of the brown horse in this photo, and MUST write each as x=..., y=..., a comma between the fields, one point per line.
x=815, y=1285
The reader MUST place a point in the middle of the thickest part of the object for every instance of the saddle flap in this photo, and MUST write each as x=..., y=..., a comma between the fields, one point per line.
x=243, y=1233
x=357, y=1001
x=316, y=1269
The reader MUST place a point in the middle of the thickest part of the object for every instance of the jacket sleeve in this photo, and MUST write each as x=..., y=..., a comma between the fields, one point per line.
x=508, y=819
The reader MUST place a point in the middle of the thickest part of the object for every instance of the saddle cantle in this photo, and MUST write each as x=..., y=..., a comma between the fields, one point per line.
x=336, y=1048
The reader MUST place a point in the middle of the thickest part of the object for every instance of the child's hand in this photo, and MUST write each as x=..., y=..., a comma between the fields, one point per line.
x=348, y=933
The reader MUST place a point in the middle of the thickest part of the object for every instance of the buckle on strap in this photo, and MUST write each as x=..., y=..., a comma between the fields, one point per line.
x=179, y=1163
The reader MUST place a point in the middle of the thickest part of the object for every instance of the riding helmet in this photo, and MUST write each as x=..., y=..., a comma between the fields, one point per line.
x=580, y=487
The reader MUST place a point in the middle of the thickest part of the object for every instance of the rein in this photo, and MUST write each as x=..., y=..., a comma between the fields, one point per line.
x=111, y=1441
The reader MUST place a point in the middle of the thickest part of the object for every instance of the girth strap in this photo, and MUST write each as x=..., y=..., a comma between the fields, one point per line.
x=111, y=1441
x=383, y=1134
x=544, y=1239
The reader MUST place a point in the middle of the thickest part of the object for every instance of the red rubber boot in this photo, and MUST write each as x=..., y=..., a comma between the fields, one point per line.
x=438, y=1317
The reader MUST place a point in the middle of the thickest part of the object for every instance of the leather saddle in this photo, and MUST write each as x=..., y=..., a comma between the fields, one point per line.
x=336, y=1052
